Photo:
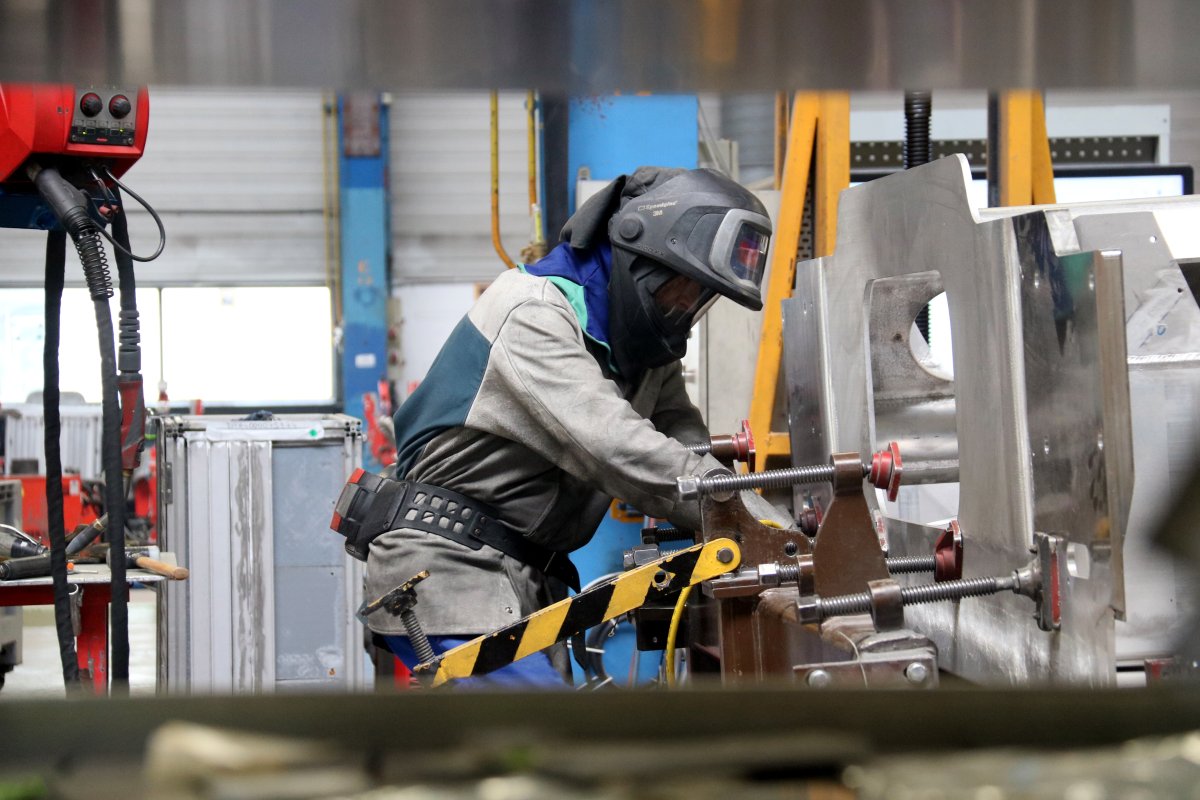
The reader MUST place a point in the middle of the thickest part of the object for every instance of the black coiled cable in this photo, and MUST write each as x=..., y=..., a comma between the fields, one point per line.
x=90, y=247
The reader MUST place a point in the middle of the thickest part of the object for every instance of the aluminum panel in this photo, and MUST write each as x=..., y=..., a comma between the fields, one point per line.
x=1023, y=354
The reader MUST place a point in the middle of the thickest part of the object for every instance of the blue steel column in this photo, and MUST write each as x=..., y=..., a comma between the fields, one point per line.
x=611, y=136
x=365, y=249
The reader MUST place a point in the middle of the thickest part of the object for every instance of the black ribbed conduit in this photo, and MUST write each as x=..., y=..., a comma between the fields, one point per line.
x=129, y=362
x=56, y=252
x=71, y=205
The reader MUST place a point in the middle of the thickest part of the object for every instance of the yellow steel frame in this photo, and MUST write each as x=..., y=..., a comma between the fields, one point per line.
x=1026, y=174
x=818, y=138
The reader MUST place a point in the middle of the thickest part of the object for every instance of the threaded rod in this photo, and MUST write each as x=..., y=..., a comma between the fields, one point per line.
x=700, y=448
x=860, y=603
x=416, y=637
x=904, y=564
x=770, y=479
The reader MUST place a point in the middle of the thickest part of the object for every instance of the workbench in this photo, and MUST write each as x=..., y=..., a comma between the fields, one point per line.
x=92, y=580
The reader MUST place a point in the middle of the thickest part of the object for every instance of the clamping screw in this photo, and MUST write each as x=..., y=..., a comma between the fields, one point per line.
x=884, y=472
x=818, y=609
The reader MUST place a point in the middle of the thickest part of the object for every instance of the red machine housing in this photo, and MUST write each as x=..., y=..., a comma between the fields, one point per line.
x=35, y=518
x=51, y=121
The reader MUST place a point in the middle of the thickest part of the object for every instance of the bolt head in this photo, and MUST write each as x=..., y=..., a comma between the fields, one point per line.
x=768, y=574
x=818, y=679
x=725, y=555
x=916, y=673
x=807, y=609
x=689, y=487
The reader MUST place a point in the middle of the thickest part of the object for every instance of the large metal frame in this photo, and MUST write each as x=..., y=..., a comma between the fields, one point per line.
x=1041, y=405
x=270, y=603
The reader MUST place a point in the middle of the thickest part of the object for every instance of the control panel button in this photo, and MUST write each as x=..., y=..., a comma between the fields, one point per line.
x=119, y=106
x=91, y=104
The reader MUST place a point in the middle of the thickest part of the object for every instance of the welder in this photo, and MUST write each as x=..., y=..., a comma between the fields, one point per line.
x=559, y=390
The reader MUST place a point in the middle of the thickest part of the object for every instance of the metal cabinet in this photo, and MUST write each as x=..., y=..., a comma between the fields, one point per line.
x=270, y=603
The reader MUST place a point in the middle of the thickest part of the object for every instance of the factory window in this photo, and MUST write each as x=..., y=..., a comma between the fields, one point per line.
x=22, y=326
x=265, y=346
x=248, y=345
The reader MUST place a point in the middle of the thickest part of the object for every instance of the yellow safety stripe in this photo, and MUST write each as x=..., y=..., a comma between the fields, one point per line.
x=561, y=620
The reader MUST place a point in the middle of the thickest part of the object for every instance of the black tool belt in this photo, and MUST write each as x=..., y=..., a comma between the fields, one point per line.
x=371, y=505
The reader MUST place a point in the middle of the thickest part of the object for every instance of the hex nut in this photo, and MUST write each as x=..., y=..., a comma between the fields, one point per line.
x=808, y=609
x=768, y=574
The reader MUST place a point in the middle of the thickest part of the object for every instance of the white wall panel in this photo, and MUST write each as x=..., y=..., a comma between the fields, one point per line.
x=238, y=179
x=441, y=186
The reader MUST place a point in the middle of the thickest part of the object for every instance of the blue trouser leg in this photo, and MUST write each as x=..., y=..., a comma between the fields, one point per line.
x=532, y=672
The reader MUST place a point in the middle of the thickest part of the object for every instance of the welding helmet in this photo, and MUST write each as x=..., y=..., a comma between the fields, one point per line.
x=676, y=248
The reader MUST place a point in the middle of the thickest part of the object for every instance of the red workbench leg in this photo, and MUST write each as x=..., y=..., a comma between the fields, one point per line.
x=92, y=643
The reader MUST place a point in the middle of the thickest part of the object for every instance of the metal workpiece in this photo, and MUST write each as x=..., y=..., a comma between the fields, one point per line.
x=1156, y=240
x=1038, y=431
x=913, y=399
x=845, y=471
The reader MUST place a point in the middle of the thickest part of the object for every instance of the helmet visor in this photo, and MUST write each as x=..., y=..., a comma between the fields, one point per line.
x=748, y=257
x=682, y=301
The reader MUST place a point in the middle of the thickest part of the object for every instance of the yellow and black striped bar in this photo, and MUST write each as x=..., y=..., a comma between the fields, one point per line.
x=561, y=620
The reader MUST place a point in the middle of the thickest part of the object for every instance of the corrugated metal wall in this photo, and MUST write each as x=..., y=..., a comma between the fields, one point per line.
x=441, y=186
x=237, y=177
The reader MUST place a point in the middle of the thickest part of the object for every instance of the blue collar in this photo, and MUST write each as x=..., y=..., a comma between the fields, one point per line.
x=587, y=269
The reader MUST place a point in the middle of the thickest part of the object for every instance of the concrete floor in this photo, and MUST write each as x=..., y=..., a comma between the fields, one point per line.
x=40, y=673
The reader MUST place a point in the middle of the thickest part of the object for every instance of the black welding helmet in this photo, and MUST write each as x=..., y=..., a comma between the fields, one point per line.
x=676, y=248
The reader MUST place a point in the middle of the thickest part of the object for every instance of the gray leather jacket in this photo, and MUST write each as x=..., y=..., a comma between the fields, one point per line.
x=523, y=415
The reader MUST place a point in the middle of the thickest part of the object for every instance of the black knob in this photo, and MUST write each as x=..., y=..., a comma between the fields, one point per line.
x=91, y=104
x=630, y=228
x=119, y=106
